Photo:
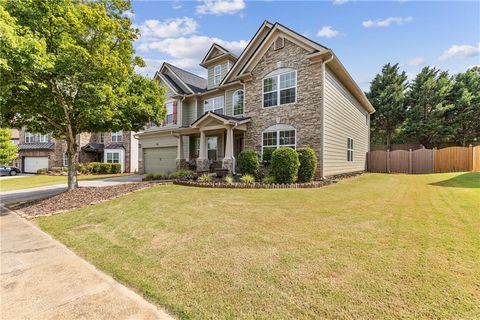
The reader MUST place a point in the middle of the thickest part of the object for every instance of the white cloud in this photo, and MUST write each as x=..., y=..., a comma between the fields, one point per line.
x=219, y=7
x=193, y=47
x=415, y=62
x=177, y=5
x=460, y=51
x=339, y=2
x=129, y=14
x=327, y=32
x=386, y=22
x=168, y=28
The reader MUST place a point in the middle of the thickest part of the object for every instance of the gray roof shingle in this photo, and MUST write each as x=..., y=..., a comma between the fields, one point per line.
x=194, y=82
x=37, y=146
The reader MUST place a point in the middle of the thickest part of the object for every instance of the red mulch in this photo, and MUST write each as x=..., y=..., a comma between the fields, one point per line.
x=77, y=198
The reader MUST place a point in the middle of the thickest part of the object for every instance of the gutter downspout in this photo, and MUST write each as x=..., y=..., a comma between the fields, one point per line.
x=322, y=112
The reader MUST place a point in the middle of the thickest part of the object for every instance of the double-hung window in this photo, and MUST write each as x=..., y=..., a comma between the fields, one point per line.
x=102, y=137
x=169, y=117
x=349, y=149
x=117, y=136
x=216, y=105
x=28, y=137
x=279, y=138
x=280, y=89
x=217, y=74
x=43, y=137
x=113, y=157
x=237, y=102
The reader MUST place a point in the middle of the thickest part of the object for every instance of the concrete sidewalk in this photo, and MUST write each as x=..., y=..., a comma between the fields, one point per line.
x=42, y=279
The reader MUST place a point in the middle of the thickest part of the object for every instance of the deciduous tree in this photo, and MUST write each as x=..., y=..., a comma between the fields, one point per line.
x=8, y=151
x=68, y=67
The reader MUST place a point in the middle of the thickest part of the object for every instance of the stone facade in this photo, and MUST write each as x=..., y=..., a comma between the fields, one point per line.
x=304, y=115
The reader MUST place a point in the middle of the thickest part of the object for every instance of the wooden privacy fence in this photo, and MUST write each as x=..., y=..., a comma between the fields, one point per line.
x=452, y=159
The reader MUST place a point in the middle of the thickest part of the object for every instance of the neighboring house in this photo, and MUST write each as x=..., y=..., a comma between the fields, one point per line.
x=37, y=151
x=283, y=90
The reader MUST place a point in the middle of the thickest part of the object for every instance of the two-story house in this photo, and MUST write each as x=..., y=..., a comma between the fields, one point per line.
x=38, y=151
x=283, y=90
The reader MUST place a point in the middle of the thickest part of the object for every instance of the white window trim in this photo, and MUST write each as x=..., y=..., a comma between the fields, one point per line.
x=121, y=157
x=219, y=66
x=348, y=149
x=41, y=138
x=243, y=103
x=278, y=89
x=117, y=135
x=213, y=100
x=166, y=114
x=28, y=137
x=278, y=145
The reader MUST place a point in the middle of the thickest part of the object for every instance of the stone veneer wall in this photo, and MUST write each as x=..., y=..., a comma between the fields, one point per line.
x=304, y=115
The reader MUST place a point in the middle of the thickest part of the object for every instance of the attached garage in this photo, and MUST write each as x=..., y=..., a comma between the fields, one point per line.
x=32, y=164
x=160, y=160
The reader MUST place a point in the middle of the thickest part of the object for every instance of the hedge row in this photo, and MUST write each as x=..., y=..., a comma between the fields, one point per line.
x=99, y=167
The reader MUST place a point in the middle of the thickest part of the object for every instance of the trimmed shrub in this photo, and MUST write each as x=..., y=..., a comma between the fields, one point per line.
x=269, y=180
x=248, y=179
x=182, y=173
x=285, y=165
x=205, y=178
x=267, y=155
x=115, y=168
x=248, y=162
x=82, y=168
x=308, y=164
x=42, y=171
x=148, y=177
x=228, y=179
x=94, y=167
x=58, y=169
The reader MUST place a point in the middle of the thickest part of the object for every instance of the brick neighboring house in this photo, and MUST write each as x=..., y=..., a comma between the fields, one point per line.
x=283, y=90
x=37, y=151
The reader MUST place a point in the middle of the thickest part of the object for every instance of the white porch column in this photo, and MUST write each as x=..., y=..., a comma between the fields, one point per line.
x=229, y=160
x=202, y=160
x=181, y=163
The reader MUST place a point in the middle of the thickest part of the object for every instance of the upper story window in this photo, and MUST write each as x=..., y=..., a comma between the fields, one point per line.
x=42, y=137
x=28, y=137
x=102, y=137
x=237, y=102
x=280, y=89
x=216, y=105
x=217, y=74
x=349, y=149
x=169, y=117
x=117, y=136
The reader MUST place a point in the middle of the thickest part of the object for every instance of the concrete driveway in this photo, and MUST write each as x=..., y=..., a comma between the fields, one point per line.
x=42, y=279
x=11, y=197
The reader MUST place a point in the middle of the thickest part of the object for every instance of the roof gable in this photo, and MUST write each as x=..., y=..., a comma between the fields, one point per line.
x=214, y=51
x=182, y=81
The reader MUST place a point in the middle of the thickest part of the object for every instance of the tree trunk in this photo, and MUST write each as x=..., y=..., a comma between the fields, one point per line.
x=388, y=141
x=72, y=156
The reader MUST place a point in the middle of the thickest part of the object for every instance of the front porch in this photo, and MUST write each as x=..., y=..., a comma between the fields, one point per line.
x=215, y=141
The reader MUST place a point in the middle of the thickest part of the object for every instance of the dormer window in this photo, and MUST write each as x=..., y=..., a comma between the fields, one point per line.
x=280, y=89
x=28, y=137
x=43, y=138
x=217, y=74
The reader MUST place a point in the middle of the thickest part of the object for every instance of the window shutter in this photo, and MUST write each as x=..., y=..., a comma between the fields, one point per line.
x=175, y=112
x=279, y=43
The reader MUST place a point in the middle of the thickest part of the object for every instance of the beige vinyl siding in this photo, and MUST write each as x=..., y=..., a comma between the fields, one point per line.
x=344, y=118
x=223, y=73
x=229, y=100
x=188, y=112
x=169, y=92
x=154, y=141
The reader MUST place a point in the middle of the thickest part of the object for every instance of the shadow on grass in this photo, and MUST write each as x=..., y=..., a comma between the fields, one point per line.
x=466, y=180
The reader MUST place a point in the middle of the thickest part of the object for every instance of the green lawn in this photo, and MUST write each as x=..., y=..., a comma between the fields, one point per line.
x=40, y=181
x=372, y=247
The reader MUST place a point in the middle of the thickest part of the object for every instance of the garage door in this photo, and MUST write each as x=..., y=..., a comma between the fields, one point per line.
x=160, y=160
x=32, y=164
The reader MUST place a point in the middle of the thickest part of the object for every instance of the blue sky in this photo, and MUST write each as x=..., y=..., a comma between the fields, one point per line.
x=364, y=35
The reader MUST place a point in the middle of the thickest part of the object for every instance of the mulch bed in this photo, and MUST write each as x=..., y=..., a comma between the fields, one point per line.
x=77, y=198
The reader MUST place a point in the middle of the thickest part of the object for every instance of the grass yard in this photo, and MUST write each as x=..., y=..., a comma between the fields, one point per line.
x=43, y=180
x=375, y=246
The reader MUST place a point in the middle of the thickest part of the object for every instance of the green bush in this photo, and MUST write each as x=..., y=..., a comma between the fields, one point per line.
x=248, y=162
x=269, y=179
x=115, y=168
x=228, y=179
x=182, y=173
x=58, y=169
x=82, y=168
x=267, y=155
x=205, y=178
x=148, y=177
x=285, y=165
x=248, y=179
x=308, y=164
x=159, y=176
x=42, y=171
x=94, y=167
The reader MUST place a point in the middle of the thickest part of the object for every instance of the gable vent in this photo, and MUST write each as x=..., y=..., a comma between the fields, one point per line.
x=279, y=43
